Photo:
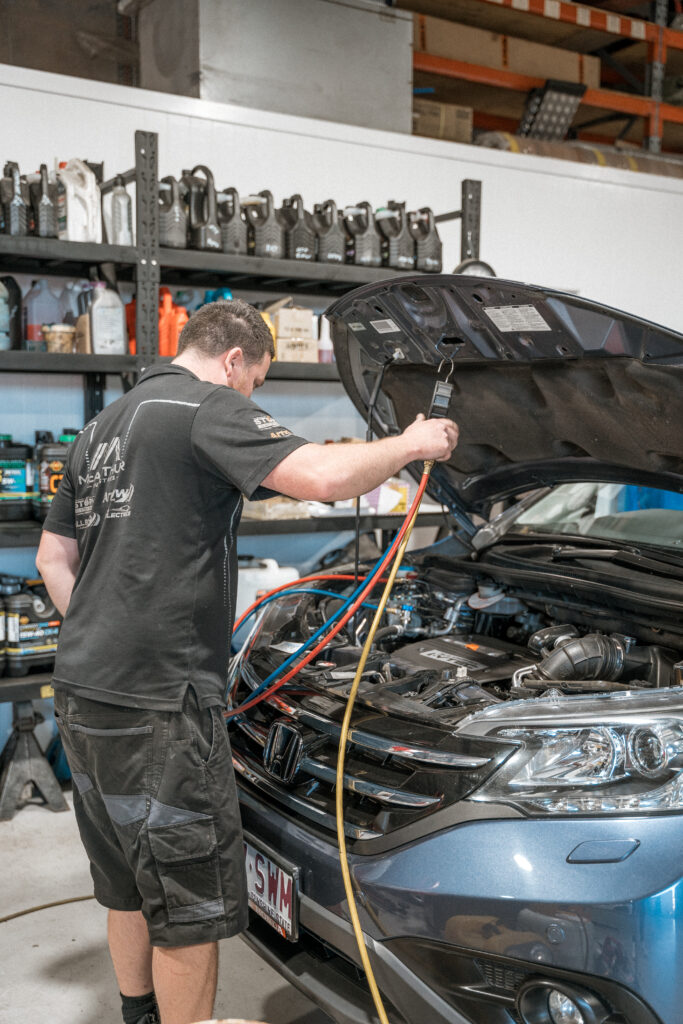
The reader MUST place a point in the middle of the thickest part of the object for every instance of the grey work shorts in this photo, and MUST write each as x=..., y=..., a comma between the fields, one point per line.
x=156, y=806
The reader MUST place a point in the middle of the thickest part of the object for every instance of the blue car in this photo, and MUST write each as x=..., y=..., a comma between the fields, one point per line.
x=513, y=784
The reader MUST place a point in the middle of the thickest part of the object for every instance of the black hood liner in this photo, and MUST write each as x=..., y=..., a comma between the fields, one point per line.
x=547, y=387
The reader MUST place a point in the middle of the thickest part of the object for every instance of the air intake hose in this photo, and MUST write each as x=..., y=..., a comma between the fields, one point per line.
x=588, y=657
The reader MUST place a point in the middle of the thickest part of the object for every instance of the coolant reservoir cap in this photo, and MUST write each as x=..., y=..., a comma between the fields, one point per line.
x=485, y=597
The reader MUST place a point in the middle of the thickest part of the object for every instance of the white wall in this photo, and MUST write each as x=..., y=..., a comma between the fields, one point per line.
x=613, y=235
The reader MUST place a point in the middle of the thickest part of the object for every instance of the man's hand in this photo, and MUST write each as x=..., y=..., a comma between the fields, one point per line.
x=431, y=439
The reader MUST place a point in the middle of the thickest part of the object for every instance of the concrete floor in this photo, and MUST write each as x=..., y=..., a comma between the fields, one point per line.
x=54, y=964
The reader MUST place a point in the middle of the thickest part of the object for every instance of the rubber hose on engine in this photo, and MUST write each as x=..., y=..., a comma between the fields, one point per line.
x=588, y=657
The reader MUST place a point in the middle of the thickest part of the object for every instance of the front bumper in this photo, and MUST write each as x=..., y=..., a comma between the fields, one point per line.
x=456, y=921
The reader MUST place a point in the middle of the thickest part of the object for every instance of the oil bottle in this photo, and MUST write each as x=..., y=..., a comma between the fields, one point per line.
x=15, y=311
x=172, y=215
x=14, y=196
x=364, y=244
x=121, y=214
x=232, y=223
x=398, y=244
x=299, y=230
x=331, y=234
x=43, y=192
x=32, y=628
x=41, y=306
x=202, y=209
x=50, y=460
x=428, y=246
x=16, y=479
x=266, y=235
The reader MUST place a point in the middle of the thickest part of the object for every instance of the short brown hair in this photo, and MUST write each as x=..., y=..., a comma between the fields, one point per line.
x=219, y=326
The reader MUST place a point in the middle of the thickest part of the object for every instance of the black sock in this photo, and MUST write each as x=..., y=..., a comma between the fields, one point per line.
x=134, y=1008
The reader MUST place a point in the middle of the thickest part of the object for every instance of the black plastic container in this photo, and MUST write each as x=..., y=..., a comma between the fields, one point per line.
x=300, y=234
x=32, y=627
x=428, y=248
x=50, y=460
x=14, y=197
x=172, y=214
x=43, y=194
x=232, y=223
x=266, y=229
x=398, y=244
x=16, y=479
x=331, y=233
x=364, y=244
x=8, y=585
x=15, y=321
x=204, y=232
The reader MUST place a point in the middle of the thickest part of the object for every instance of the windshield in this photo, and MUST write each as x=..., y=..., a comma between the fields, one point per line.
x=618, y=512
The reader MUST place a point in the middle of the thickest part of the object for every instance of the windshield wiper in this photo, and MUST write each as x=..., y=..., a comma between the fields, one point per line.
x=631, y=557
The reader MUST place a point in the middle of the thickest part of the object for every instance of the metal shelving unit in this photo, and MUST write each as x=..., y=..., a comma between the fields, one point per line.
x=572, y=26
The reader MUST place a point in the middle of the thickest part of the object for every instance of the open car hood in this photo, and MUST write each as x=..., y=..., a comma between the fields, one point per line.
x=548, y=387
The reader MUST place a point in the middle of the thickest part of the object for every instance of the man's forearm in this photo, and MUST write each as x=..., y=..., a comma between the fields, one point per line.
x=356, y=468
x=59, y=586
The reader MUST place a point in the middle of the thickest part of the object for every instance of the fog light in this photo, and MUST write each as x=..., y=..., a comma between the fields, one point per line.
x=563, y=1010
x=542, y=1001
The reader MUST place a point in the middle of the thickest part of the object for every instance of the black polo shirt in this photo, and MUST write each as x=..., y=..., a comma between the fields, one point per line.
x=153, y=491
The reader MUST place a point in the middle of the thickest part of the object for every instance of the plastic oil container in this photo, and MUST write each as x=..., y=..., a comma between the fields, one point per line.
x=40, y=307
x=43, y=191
x=299, y=231
x=398, y=244
x=108, y=335
x=5, y=340
x=172, y=215
x=364, y=244
x=172, y=319
x=14, y=196
x=330, y=231
x=266, y=229
x=16, y=479
x=232, y=223
x=79, y=214
x=202, y=208
x=258, y=575
x=121, y=214
x=428, y=246
x=50, y=460
x=9, y=585
x=16, y=330
x=32, y=627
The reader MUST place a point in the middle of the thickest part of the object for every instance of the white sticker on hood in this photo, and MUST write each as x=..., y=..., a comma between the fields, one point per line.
x=357, y=327
x=517, y=318
x=385, y=326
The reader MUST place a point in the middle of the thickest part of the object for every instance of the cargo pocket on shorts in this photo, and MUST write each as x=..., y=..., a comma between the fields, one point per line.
x=186, y=857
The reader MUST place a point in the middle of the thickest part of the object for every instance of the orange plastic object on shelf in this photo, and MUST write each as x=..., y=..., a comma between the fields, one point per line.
x=172, y=319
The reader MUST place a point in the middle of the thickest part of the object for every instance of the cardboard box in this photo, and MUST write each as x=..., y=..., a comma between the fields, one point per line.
x=504, y=53
x=296, y=350
x=82, y=341
x=442, y=121
x=294, y=322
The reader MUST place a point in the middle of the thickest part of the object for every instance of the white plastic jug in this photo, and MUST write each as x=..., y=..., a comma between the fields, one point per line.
x=258, y=575
x=79, y=203
x=108, y=335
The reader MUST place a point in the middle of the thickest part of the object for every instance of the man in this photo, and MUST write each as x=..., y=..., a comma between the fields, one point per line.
x=138, y=552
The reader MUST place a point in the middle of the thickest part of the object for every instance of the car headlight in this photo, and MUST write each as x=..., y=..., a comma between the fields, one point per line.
x=615, y=754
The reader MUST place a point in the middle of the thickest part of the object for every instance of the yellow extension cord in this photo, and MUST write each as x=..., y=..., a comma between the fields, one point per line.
x=341, y=838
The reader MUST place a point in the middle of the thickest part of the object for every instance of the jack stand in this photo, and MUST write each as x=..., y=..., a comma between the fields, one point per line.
x=24, y=764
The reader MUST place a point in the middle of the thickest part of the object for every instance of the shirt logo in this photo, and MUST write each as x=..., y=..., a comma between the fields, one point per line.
x=105, y=464
x=265, y=422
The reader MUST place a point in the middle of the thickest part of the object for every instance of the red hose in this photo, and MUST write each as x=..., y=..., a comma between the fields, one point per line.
x=347, y=614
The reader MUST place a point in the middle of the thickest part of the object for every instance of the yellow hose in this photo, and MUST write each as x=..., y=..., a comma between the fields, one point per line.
x=341, y=838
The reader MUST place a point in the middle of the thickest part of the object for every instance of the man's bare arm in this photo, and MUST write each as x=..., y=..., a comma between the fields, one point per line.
x=58, y=561
x=337, y=471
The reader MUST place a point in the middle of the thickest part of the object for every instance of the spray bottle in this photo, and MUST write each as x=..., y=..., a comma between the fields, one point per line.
x=121, y=214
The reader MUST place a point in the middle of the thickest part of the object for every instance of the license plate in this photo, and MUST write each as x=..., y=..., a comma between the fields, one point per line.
x=273, y=888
